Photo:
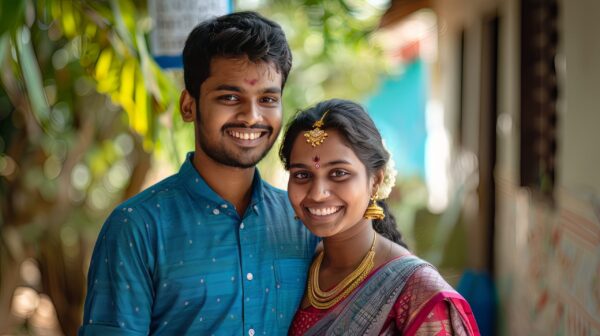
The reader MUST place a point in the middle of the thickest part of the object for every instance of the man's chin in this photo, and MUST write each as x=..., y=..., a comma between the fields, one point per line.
x=241, y=165
x=236, y=157
x=242, y=161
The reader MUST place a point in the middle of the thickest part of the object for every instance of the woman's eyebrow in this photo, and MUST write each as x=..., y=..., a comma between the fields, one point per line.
x=335, y=162
x=330, y=163
x=298, y=165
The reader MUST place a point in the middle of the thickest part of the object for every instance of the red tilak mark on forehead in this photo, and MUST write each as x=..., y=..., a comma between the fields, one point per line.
x=316, y=160
x=251, y=81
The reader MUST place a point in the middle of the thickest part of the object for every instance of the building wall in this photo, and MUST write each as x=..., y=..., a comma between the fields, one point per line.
x=547, y=255
x=579, y=151
x=456, y=18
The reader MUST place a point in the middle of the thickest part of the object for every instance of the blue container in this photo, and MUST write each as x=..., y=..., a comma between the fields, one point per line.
x=479, y=290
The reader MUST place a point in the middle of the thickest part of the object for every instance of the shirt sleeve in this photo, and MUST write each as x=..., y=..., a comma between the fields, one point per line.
x=120, y=288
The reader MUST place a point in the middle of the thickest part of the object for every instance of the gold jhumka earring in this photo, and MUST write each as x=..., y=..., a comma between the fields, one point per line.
x=374, y=211
x=316, y=136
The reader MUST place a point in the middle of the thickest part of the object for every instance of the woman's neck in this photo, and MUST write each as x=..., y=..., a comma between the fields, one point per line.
x=347, y=249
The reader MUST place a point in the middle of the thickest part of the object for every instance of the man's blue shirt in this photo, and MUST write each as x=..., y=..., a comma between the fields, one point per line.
x=178, y=259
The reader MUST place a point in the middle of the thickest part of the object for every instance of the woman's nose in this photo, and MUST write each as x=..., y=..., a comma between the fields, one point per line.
x=319, y=191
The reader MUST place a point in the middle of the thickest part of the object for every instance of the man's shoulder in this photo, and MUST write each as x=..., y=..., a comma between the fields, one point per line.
x=276, y=198
x=271, y=190
x=145, y=203
x=153, y=192
x=134, y=216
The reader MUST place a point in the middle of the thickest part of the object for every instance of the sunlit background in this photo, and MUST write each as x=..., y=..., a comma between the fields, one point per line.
x=489, y=107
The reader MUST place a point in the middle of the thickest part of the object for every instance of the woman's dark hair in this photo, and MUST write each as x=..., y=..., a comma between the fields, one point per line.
x=234, y=35
x=359, y=131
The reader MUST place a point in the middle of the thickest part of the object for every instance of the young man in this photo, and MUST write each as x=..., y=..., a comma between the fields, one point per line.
x=212, y=249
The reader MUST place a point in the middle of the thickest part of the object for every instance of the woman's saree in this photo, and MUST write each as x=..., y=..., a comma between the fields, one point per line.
x=365, y=311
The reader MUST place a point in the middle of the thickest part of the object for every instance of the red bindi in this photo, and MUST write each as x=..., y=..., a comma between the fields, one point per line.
x=251, y=81
x=316, y=160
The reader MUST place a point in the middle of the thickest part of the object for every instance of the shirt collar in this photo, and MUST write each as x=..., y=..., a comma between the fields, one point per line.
x=196, y=186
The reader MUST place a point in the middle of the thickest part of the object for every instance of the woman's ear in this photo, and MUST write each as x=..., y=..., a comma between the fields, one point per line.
x=187, y=106
x=377, y=179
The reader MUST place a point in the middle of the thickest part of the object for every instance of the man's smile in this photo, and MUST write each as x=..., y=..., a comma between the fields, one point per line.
x=246, y=134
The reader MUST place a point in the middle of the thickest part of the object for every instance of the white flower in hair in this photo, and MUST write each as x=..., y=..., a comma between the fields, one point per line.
x=389, y=177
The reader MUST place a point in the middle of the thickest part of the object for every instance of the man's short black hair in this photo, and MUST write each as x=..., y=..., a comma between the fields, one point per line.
x=234, y=35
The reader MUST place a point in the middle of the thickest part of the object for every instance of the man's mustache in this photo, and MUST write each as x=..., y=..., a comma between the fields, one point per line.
x=241, y=125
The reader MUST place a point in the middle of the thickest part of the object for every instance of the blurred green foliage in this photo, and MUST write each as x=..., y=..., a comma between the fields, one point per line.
x=85, y=112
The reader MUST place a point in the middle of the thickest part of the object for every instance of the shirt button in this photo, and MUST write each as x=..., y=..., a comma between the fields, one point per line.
x=216, y=211
x=249, y=276
x=250, y=332
x=242, y=226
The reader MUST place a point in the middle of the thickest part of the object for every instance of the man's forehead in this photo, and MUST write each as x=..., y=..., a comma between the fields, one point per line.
x=243, y=66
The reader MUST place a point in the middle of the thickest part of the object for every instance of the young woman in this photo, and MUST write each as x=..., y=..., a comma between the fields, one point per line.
x=363, y=280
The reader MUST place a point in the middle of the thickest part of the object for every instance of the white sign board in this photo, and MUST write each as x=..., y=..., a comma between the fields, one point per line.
x=174, y=20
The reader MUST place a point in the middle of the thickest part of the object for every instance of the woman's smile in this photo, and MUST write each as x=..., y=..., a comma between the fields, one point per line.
x=328, y=186
x=321, y=212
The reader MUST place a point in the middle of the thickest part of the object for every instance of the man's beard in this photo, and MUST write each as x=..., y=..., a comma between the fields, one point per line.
x=220, y=154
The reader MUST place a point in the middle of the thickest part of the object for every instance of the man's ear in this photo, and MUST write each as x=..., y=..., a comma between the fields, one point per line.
x=187, y=106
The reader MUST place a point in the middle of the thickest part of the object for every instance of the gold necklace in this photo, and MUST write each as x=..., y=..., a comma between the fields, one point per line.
x=327, y=299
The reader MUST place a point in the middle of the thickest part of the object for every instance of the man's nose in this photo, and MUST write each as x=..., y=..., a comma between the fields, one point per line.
x=250, y=114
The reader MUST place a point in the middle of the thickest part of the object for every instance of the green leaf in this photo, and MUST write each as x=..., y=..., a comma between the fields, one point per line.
x=4, y=43
x=120, y=25
x=11, y=14
x=32, y=75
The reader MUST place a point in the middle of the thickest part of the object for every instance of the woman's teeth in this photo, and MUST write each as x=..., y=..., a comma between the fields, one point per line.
x=323, y=211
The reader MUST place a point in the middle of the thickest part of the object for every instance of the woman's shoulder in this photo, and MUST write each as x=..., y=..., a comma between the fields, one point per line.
x=425, y=278
x=389, y=251
x=428, y=279
x=425, y=285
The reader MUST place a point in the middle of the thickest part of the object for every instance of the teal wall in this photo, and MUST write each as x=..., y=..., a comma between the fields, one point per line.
x=398, y=109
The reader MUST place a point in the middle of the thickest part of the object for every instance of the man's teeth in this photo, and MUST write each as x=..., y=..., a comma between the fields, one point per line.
x=323, y=211
x=245, y=135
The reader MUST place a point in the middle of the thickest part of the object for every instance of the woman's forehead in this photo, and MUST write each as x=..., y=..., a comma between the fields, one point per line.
x=334, y=147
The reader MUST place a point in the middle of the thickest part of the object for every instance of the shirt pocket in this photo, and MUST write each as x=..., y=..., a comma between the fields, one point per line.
x=290, y=277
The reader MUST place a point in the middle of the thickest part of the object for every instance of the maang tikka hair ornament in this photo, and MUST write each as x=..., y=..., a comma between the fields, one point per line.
x=316, y=136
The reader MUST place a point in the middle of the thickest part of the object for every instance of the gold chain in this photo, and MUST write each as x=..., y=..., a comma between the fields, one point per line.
x=325, y=300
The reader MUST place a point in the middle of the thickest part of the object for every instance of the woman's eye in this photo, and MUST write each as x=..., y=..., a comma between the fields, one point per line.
x=339, y=173
x=300, y=175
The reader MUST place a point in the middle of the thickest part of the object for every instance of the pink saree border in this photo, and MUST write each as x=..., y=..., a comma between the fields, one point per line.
x=457, y=300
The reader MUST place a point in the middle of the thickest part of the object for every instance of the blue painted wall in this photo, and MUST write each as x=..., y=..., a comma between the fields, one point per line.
x=398, y=109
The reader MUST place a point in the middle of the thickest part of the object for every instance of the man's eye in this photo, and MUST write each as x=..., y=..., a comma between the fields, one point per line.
x=270, y=100
x=229, y=98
